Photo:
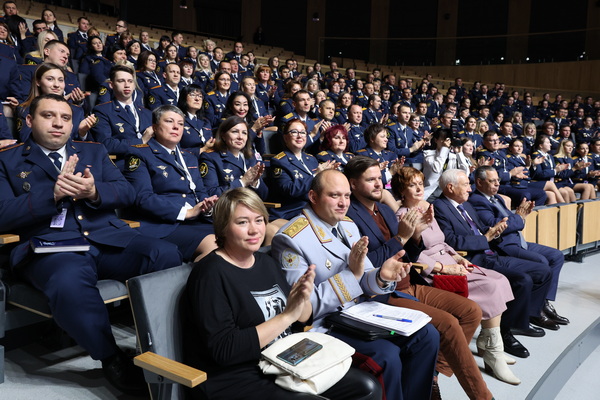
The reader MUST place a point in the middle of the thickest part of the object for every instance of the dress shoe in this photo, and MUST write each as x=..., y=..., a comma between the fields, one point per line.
x=120, y=371
x=513, y=347
x=544, y=322
x=531, y=331
x=553, y=315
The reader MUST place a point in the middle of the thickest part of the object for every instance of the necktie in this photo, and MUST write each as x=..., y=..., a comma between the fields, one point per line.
x=336, y=234
x=84, y=35
x=505, y=213
x=55, y=159
x=469, y=220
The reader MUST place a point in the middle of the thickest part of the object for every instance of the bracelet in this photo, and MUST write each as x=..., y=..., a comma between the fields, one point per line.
x=378, y=277
x=441, y=270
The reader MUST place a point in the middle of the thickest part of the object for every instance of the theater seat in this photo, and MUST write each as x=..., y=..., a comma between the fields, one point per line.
x=155, y=301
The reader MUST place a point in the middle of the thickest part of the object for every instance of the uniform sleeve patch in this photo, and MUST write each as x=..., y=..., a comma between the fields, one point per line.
x=290, y=259
x=133, y=163
x=203, y=169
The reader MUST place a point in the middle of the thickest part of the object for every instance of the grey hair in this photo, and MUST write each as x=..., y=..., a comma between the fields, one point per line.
x=481, y=172
x=158, y=113
x=450, y=176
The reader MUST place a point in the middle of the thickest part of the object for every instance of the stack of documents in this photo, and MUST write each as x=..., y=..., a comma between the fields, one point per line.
x=403, y=321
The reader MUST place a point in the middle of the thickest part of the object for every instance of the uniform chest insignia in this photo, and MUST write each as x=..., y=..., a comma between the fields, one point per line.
x=24, y=174
x=187, y=128
x=229, y=178
x=96, y=61
x=497, y=162
x=163, y=168
x=289, y=259
x=328, y=264
x=297, y=174
x=120, y=125
x=348, y=234
x=227, y=170
x=296, y=227
x=170, y=101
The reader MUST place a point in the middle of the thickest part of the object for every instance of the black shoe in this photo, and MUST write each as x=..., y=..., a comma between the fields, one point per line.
x=531, y=331
x=513, y=347
x=544, y=322
x=123, y=375
x=553, y=315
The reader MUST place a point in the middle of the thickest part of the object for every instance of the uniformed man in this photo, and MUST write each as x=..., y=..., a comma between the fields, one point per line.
x=236, y=53
x=77, y=42
x=322, y=235
x=167, y=93
x=54, y=189
x=122, y=123
x=113, y=38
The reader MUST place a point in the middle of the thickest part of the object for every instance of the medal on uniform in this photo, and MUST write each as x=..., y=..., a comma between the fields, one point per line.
x=26, y=186
x=328, y=264
x=120, y=125
x=163, y=168
x=24, y=174
x=297, y=174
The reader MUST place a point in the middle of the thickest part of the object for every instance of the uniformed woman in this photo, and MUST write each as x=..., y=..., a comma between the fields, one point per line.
x=232, y=163
x=197, y=134
x=147, y=77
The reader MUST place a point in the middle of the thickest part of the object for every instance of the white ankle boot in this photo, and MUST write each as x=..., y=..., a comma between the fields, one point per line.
x=482, y=341
x=493, y=356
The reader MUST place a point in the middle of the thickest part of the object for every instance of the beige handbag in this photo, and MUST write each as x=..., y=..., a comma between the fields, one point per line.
x=316, y=373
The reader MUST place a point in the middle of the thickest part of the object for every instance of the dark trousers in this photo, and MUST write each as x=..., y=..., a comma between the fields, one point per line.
x=408, y=362
x=69, y=281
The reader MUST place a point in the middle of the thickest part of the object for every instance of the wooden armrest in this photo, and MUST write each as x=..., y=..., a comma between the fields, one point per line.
x=170, y=369
x=271, y=205
x=132, y=224
x=9, y=238
x=461, y=253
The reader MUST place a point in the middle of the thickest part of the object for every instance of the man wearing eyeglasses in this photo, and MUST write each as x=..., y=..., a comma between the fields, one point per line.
x=513, y=182
x=113, y=39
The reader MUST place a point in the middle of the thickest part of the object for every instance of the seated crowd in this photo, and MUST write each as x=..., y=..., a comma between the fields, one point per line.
x=368, y=174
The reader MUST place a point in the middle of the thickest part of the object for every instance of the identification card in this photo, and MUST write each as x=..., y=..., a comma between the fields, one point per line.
x=58, y=221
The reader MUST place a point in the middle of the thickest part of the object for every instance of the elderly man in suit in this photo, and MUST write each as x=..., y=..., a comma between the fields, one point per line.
x=465, y=231
x=54, y=189
x=322, y=235
x=491, y=208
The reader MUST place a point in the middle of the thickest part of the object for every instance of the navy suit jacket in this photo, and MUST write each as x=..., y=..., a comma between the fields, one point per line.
x=380, y=249
x=27, y=179
x=458, y=231
x=490, y=216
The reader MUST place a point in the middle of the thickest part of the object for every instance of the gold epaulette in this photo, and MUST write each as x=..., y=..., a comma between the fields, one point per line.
x=296, y=227
x=280, y=155
x=139, y=146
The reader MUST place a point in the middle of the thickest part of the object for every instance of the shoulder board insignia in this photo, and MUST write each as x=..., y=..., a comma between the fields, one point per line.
x=11, y=146
x=280, y=155
x=296, y=227
x=347, y=219
x=362, y=151
x=323, y=153
x=133, y=163
x=212, y=92
x=141, y=145
x=290, y=115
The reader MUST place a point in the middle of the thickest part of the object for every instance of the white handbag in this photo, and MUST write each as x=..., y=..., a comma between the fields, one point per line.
x=316, y=373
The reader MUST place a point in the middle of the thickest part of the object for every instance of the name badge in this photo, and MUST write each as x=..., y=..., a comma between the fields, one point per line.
x=58, y=221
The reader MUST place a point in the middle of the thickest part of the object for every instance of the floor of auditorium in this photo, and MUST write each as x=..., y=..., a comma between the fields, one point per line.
x=35, y=371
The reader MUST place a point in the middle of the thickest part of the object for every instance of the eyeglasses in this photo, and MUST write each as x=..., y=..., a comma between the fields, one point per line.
x=120, y=26
x=196, y=95
x=296, y=133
